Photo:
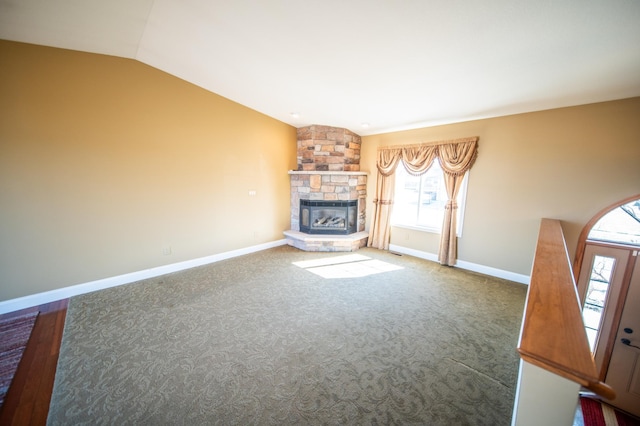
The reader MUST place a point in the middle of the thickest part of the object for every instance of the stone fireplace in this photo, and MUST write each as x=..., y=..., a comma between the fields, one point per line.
x=328, y=191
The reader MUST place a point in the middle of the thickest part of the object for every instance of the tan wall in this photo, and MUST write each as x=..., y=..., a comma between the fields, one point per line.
x=566, y=164
x=105, y=161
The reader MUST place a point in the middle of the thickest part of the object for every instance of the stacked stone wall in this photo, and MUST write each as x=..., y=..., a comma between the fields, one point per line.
x=325, y=148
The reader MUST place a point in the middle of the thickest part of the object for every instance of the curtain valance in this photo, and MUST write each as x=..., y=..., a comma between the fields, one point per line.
x=456, y=156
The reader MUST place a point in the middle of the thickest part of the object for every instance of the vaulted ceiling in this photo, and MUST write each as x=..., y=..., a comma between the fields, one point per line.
x=389, y=64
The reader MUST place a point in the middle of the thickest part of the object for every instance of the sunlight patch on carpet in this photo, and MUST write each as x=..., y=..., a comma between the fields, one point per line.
x=331, y=260
x=348, y=266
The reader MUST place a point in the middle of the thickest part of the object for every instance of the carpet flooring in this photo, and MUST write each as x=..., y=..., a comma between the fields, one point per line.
x=284, y=336
x=14, y=335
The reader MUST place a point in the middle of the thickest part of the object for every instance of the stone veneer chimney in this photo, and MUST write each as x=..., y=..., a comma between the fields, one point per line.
x=324, y=148
x=328, y=170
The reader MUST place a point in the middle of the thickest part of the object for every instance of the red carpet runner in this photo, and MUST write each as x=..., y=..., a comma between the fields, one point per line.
x=598, y=414
x=14, y=335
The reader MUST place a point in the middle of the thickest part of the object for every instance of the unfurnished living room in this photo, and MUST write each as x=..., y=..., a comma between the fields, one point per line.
x=322, y=212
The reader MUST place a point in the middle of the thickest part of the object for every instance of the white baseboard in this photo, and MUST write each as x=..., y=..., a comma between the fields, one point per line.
x=487, y=270
x=75, y=290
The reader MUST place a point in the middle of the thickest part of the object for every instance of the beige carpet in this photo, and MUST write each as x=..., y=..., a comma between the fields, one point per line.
x=260, y=340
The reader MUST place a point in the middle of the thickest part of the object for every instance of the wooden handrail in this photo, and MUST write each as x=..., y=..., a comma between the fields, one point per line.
x=553, y=336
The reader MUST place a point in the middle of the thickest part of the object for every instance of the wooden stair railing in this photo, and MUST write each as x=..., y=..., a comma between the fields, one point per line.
x=553, y=336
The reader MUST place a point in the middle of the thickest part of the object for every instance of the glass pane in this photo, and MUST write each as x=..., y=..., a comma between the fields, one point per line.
x=433, y=197
x=407, y=195
x=329, y=218
x=596, y=296
x=621, y=225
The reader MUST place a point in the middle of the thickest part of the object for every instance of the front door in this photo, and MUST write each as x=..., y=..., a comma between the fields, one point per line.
x=623, y=374
x=601, y=286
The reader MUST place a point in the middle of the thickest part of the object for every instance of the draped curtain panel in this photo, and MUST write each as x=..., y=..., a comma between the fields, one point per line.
x=388, y=160
x=456, y=158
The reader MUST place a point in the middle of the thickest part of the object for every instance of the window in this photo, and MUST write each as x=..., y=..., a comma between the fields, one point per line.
x=419, y=200
x=594, y=302
x=621, y=225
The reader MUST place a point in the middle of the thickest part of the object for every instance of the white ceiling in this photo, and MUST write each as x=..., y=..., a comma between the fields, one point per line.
x=392, y=64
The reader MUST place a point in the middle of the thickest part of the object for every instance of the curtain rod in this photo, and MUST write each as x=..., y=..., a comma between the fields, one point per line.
x=417, y=145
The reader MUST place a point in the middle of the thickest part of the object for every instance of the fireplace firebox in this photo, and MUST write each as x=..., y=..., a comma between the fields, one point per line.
x=328, y=217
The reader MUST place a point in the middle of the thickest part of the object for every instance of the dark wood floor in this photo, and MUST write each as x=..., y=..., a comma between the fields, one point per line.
x=27, y=401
